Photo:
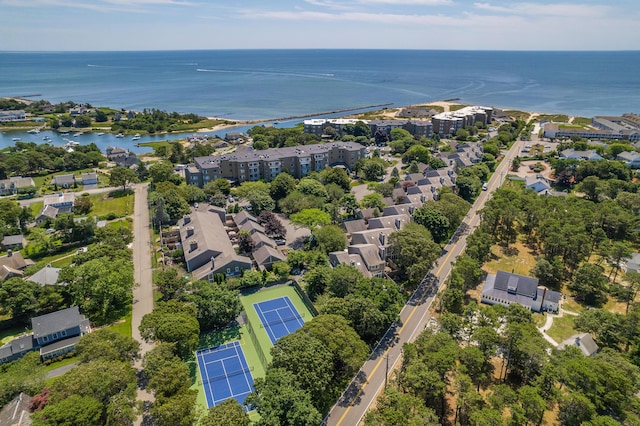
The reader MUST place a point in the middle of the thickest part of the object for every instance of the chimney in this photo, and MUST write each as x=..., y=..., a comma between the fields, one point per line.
x=189, y=231
x=9, y=253
x=411, y=209
x=441, y=180
x=382, y=238
x=193, y=245
x=187, y=219
x=213, y=263
x=433, y=189
x=382, y=253
x=578, y=341
x=398, y=223
x=450, y=172
x=423, y=199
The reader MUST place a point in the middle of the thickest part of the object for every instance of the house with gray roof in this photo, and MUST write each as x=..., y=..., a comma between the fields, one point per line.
x=370, y=255
x=64, y=181
x=505, y=288
x=58, y=332
x=13, y=184
x=207, y=248
x=356, y=225
x=13, y=242
x=266, y=256
x=631, y=159
x=396, y=222
x=90, y=178
x=259, y=239
x=399, y=209
x=538, y=184
x=16, y=348
x=45, y=276
x=582, y=341
x=572, y=154
x=345, y=258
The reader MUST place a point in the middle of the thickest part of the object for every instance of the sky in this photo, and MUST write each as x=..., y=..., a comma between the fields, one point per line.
x=80, y=25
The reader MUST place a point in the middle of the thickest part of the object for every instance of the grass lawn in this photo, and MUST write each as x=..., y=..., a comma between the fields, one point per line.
x=116, y=202
x=539, y=319
x=518, y=115
x=123, y=326
x=581, y=120
x=558, y=118
x=9, y=334
x=520, y=262
x=121, y=223
x=61, y=363
x=570, y=304
x=36, y=208
x=456, y=107
x=562, y=328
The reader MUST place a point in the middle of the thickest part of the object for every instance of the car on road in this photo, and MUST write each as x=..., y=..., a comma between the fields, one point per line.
x=485, y=186
x=280, y=241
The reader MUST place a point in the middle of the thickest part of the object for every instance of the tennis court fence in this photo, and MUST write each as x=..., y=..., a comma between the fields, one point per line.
x=256, y=344
x=281, y=320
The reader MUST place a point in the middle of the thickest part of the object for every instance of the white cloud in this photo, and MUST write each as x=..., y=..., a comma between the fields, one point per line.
x=409, y=2
x=567, y=10
x=102, y=6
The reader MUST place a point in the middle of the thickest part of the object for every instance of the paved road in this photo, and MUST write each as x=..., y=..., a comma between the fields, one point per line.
x=362, y=392
x=143, y=293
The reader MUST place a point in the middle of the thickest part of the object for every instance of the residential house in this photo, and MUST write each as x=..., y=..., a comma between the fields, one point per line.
x=505, y=288
x=17, y=411
x=572, y=154
x=207, y=248
x=14, y=184
x=538, y=184
x=582, y=341
x=115, y=154
x=58, y=332
x=16, y=348
x=399, y=209
x=356, y=225
x=45, y=276
x=64, y=181
x=265, y=256
x=12, y=265
x=392, y=222
x=13, y=242
x=259, y=240
x=631, y=159
x=90, y=178
x=14, y=115
x=345, y=258
x=56, y=204
x=371, y=257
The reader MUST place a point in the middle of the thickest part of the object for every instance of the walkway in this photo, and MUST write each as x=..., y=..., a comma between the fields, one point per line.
x=549, y=323
x=143, y=293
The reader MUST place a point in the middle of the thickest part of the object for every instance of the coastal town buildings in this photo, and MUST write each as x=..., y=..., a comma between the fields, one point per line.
x=253, y=165
x=14, y=184
x=447, y=123
x=14, y=115
x=625, y=127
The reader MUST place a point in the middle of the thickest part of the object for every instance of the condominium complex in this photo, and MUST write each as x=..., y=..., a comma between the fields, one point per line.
x=625, y=127
x=449, y=122
x=254, y=165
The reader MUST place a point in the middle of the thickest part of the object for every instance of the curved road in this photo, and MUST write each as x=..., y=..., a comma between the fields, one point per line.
x=365, y=387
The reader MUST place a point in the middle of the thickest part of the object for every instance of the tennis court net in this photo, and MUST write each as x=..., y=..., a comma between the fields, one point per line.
x=214, y=378
x=282, y=320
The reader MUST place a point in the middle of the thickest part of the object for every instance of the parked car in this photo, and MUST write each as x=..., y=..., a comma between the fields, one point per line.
x=280, y=241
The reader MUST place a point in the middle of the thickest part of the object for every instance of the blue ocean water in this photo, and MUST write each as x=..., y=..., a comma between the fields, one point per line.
x=252, y=84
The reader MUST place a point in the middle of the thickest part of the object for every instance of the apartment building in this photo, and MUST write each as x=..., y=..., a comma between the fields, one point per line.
x=266, y=164
x=449, y=122
x=418, y=128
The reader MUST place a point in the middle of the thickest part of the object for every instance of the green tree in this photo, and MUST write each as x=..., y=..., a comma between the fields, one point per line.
x=551, y=273
x=436, y=222
x=216, y=305
x=396, y=408
x=169, y=284
x=343, y=280
x=414, y=251
x=75, y=410
x=281, y=401
x=281, y=186
x=105, y=344
x=330, y=238
x=172, y=322
x=171, y=379
x=311, y=218
x=372, y=201
x=24, y=375
x=19, y=298
x=179, y=410
x=227, y=413
x=575, y=409
x=122, y=176
x=338, y=176
x=589, y=284
x=260, y=201
x=309, y=361
x=160, y=172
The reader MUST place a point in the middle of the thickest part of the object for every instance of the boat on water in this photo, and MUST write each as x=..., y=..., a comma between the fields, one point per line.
x=78, y=134
x=119, y=135
x=16, y=139
x=71, y=144
x=136, y=137
x=101, y=133
x=46, y=138
x=34, y=131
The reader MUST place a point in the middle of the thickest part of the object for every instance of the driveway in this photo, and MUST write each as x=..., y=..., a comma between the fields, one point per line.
x=295, y=234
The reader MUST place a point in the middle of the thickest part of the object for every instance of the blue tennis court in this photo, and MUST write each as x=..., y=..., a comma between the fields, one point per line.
x=225, y=373
x=279, y=317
